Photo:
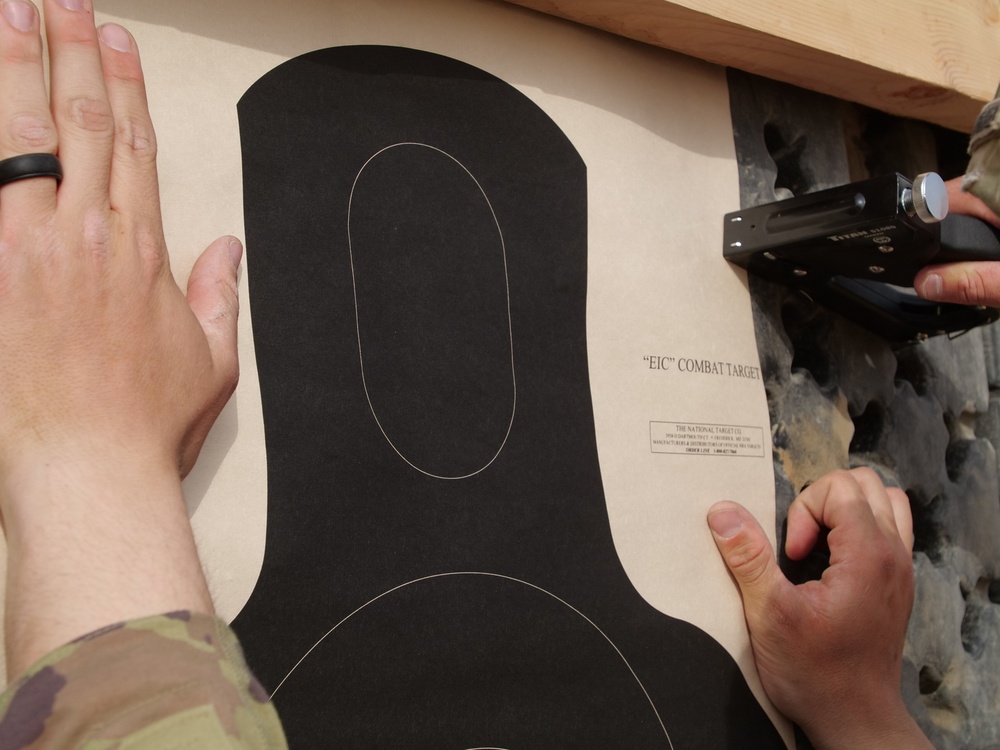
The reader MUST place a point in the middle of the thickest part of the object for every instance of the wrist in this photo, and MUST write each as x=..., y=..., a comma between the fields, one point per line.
x=890, y=728
x=96, y=537
x=55, y=479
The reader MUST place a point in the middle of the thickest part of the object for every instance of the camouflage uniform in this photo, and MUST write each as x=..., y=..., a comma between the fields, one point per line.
x=982, y=177
x=172, y=682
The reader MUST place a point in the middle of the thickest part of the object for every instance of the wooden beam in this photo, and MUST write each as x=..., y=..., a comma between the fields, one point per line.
x=933, y=60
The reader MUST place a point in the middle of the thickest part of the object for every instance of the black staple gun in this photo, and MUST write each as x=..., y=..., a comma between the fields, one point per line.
x=857, y=248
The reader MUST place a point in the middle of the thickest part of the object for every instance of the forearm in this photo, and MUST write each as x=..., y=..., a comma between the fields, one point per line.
x=94, y=540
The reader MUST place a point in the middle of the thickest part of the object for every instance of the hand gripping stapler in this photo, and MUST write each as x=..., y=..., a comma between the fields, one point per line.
x=857, y=248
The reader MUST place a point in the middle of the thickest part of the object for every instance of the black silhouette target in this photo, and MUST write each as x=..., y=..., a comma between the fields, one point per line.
x=439, y=570
x=503, y=656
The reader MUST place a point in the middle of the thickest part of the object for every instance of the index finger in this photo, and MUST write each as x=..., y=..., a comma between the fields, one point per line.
x=878, y=497
x=835, y=500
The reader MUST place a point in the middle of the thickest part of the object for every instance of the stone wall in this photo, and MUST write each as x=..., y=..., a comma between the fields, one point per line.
x=926, y=417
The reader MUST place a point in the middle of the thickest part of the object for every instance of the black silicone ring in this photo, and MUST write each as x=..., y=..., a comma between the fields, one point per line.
x=29, y=165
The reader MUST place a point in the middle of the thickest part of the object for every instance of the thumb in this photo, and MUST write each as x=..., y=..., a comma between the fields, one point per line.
x=747, y=553
x=967, y=283
x=214, y=300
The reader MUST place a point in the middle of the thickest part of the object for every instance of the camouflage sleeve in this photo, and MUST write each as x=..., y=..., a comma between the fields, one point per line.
x=173, y=682
x=982, y=176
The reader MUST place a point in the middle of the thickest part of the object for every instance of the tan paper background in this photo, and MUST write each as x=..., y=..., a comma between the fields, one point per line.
x=654, y=131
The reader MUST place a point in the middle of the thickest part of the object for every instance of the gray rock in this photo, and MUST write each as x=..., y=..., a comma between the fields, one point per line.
x=970, y=514
x=921, y=468
x=991, y=353
x=812, y=430
x=953, y=371
x=934, y=652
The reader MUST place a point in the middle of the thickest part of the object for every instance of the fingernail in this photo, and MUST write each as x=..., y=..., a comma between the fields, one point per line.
x=235, y=252
x=932, y=287
x=19, y=14
x=71, y=4
x=725, y=523
x=115, y=37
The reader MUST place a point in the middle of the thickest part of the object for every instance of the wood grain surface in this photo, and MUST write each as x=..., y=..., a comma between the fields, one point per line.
x=933, y=60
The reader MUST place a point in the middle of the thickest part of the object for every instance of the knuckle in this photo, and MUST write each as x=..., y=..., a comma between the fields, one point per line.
x=891, y=563
x=135, y=136
x=149, y=245
x=32, y=133
x=90, y=114
x=126, y=74
x=907, y=576
x=887, y=563
x=232, y=295
x=10, y=238
x=830, y=477
x=971, y=288
x=847, y=484
x=80, y=37
x=97, y=235
x=865, y=473
x=837, y=484
x=16, y=235
x=866, y=481
x=840, y=476
x=230, y=378
x=748, y=562
x=21, y=55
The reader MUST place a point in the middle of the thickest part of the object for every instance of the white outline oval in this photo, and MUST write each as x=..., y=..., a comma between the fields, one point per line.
x=357, y=315
x=488, y=575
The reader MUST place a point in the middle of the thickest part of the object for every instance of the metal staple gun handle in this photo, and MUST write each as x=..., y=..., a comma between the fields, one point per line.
x=857, y=248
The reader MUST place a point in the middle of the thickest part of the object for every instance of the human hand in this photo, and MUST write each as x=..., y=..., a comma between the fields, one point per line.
x=829, y=652
x=99, y=350
x=110, y=377
x=969, y=283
